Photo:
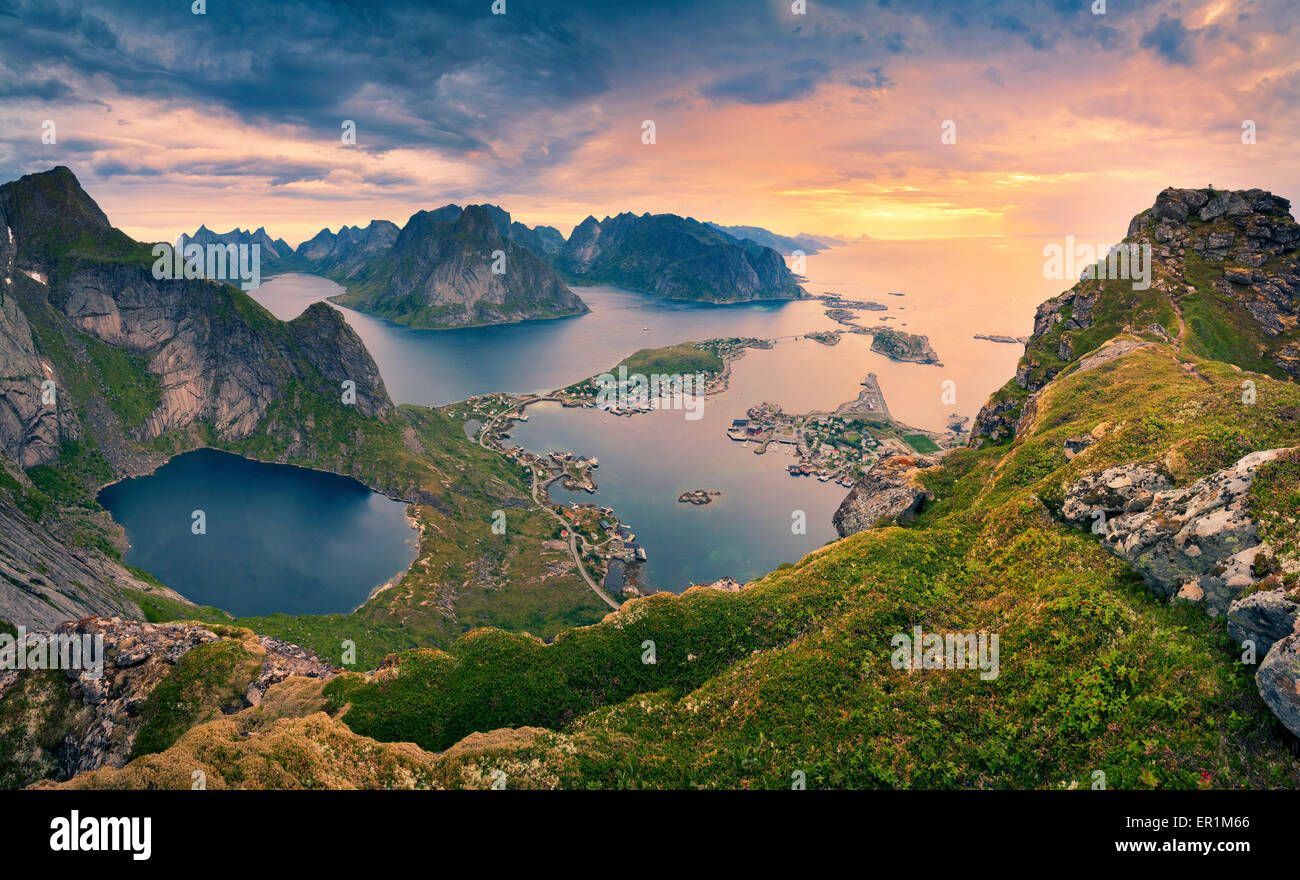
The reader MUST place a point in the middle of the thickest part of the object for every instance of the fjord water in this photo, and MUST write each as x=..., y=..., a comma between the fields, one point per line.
x=951, y=290
x=278, y=538
x=434, y=367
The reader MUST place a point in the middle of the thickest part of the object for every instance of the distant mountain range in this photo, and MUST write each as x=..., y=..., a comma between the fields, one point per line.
x=785, y=245
x=346, y=252
x=436, y=272
x=675, y=257
x=272, y=250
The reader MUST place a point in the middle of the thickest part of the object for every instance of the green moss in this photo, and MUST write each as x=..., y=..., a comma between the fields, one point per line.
x=161, y=609
x=36, y=713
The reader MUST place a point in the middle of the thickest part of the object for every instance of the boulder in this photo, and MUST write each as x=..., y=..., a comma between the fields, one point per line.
x=888, y=491
x=1278, y=680
x=1265, y=618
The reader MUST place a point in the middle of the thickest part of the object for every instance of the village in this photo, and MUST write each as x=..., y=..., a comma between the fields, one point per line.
x=604, y=543
x=838, y=446
x=708, y=362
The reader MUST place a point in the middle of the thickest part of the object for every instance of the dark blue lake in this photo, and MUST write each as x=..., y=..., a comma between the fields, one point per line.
x=278, y=538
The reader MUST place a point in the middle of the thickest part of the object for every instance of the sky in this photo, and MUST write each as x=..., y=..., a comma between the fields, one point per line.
x=824, y=116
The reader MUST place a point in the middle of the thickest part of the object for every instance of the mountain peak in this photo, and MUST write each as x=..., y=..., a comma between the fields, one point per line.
x=477, y=220
x=48, y=213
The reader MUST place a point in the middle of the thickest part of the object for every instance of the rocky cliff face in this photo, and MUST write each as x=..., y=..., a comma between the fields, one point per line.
x=48, y=572
x=99, y=358
x=675, y=257
x=440, y=273
x=1224, y=284
x=31, y=423
x=221, y=358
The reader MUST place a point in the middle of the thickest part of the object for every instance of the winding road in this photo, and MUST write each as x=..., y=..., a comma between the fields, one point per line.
x=484, y=432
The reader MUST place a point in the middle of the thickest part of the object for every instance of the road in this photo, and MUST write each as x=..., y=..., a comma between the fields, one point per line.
x=484, y=432
x=573, y=546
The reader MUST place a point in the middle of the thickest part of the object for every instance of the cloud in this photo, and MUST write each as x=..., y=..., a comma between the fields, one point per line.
x=874, y=79
x=764, y=117
x=1170, y=40
x=769, y=86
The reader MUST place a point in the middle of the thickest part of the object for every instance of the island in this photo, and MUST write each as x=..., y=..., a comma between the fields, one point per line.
x=835, y=300
x=899, y=345
x=1010, y=340
x=825, y=337
x=698, y=496
x=842, y=445
x=710, y=360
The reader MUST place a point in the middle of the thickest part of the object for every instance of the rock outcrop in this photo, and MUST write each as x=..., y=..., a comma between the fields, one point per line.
x=1233, y=251
x=1200, y=544
x=1265, y=617
x=91, y=717
x=888, y=492
x=1249, y=238
x=675, y=257
x=1197, y=543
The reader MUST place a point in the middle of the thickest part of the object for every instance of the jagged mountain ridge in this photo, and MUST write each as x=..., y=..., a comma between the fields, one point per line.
x=273, y=250
x=343, y=254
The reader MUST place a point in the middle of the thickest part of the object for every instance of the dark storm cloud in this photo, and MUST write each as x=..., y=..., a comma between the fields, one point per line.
x=449, y=77
x=456, y=79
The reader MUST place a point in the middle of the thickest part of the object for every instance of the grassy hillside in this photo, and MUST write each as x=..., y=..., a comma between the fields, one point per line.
x=793, y=674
